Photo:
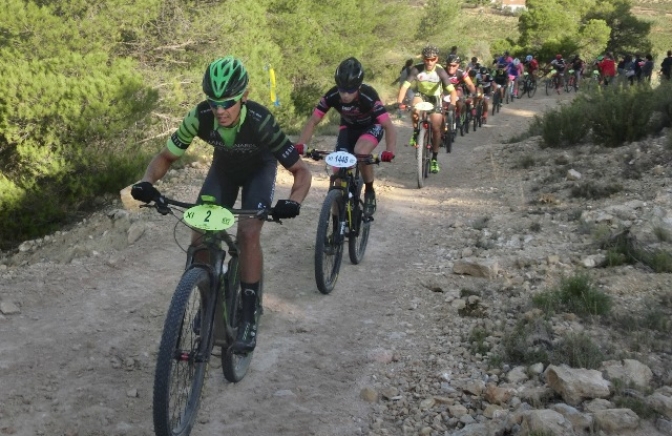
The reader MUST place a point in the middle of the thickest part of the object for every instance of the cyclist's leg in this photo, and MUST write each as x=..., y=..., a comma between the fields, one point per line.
x=257, y=193
x=224, y=191
x=366, y=143
x=436, y=120
x=417, y=98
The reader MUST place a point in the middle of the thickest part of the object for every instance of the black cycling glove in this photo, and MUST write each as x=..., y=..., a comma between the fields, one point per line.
x=145, y=192
x=286, y=209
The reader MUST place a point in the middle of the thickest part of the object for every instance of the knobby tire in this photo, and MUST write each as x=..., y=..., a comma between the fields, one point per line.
x=359, y=233
x=531, y=89
x=182, y=361
x=448, y=133
x=329, y=243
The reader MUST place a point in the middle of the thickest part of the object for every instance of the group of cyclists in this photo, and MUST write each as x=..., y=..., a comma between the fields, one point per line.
x=248, y=143
x=450, y=88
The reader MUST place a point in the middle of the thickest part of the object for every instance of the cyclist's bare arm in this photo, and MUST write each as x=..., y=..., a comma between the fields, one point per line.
x=402, y=92
x=302, y=180
x=390, y=135
x=308, y=129
x=159, y=166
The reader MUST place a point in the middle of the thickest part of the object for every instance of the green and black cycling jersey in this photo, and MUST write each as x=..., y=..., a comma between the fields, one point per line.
x=430, y=83
x=240, y=149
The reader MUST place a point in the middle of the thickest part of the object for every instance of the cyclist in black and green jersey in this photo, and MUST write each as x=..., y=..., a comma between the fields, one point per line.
x=430, y=77
x=248, y=144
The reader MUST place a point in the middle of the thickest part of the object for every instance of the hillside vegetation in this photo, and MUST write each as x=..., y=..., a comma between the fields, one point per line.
x=91, y=90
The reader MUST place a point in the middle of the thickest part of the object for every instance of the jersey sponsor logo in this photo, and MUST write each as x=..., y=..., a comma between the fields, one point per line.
x=432, y=77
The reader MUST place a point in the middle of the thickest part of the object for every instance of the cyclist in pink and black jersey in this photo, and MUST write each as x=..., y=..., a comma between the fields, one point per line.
x=459, y=80
x=432, y=82
x=364, y=120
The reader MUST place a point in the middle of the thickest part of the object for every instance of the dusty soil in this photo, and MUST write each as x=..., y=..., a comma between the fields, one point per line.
x=79, y=357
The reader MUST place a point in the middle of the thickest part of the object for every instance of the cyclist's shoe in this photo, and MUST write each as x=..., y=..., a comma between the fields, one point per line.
x=414, y=140
x=369, y=203
x=434, y=166
x=246, y=340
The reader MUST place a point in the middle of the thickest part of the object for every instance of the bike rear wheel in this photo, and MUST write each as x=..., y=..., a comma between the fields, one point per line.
x=182, y=361
x=329, y=242
x=448, y=133
x=235, y=365
x=361, y=225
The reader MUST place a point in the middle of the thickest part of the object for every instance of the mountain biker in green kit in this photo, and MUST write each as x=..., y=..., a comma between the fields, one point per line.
x=248, y=144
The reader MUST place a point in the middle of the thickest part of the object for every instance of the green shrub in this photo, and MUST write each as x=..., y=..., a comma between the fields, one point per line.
x=575, y=294
x=566, y=126
x=620, y=114
x=528, y=342
x=578, y=351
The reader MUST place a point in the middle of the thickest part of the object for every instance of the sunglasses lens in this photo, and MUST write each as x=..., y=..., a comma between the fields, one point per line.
x=347, y=91
x=431, y=59
x=224, y=104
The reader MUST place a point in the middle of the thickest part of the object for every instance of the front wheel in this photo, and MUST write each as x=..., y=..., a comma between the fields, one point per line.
x=420, y=155
x=329, y=242
x=531, y=88
x=182, y=361
x=359, y=231
x=548, y=87
x=448, y=131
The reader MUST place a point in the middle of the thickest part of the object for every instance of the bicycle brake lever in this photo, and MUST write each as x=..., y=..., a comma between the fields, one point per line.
x=161, y=205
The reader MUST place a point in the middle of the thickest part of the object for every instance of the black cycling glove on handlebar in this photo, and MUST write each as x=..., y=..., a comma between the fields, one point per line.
x=286, y=209
x=145, y=192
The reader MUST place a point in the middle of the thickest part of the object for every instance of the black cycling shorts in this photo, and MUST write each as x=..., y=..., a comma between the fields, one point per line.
x=258, y=185
x=348, y=137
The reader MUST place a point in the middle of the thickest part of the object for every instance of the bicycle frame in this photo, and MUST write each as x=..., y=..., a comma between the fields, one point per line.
x=222, y=334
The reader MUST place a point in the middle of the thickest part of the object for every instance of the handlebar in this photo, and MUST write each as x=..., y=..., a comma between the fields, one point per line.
x=164, y=206
x=367, y=159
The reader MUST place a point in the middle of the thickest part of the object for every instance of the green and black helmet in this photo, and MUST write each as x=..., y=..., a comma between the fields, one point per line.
x=225, y=78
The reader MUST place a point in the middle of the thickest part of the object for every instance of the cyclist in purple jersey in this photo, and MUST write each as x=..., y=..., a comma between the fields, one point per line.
x=248, y=144
x=364, y=120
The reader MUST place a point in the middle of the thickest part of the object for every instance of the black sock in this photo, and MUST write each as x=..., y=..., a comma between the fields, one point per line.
x=368, y=187
x=435, y=155
x=249, y=300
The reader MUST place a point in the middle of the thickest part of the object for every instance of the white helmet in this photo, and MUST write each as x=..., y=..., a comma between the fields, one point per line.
x=516, y=61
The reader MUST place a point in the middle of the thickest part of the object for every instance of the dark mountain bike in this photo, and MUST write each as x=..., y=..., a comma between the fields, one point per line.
x=342, y=216
x=529, y=86
x=205, y=311
x=496, y=100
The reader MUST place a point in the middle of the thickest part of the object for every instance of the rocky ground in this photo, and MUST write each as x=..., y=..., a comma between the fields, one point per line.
x=411, y=341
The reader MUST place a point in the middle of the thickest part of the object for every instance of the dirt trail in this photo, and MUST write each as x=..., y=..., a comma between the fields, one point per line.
x=79, y=358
